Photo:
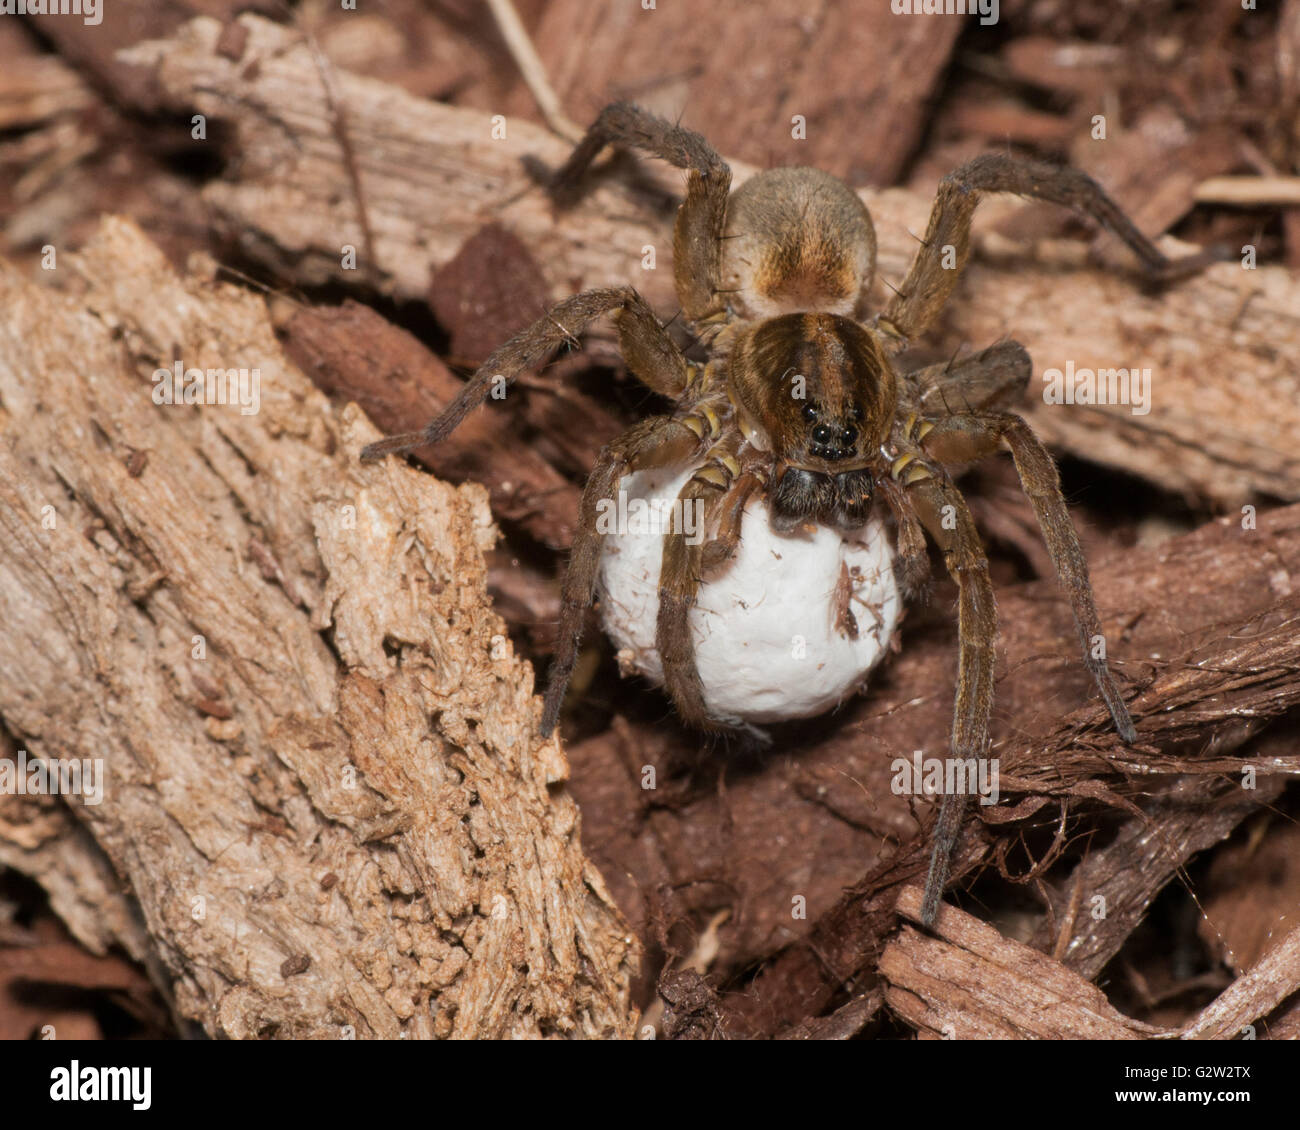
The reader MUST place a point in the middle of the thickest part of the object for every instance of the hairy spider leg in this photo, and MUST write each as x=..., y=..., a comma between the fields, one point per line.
x=731, y=512
x=946, y=247
x=723, y=489
x=992, y=379
x=959, y=439
x=912, y=559
x=984, y=381
x=651, y=354
x=655, y=441
x=936, y=499
x=702, y=217
x=958, y=428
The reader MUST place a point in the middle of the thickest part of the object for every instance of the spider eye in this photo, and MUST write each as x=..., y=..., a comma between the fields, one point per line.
x=849, y=436
x=809, y=412
x=823, y=434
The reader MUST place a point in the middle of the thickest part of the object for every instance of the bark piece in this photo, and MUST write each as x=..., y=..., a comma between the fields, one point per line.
x=862, y=81
x=354, y=353
x=1268, y=983
x=1130, y=870
x=844, y=1023
x=1252, y=894
x=94, y=46
x=379, y=729
x=35, y=89
x=491, y=289
x=970, y=983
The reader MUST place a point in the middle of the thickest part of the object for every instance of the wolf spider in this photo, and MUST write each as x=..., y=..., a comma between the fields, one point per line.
x=801, y=401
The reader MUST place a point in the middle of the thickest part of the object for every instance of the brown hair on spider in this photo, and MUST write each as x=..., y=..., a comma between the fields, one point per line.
x=824, y=419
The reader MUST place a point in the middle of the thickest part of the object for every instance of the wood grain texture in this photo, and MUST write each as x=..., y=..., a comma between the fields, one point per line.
x=969, y=982
x=325, y=789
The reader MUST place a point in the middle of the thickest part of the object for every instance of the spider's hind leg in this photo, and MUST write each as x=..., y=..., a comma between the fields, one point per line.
x=943, y=511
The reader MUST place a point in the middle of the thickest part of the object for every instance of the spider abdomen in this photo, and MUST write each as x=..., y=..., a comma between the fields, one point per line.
x=796, y=239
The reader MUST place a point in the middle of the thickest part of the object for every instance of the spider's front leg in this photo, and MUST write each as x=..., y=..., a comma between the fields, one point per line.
x=702, y=216
x=657, y=441
x=650, y=353
x=912, y=568
x=987, y=381
x=943, y=512
x=964, y=438
x=946, y=247
x=718, y=491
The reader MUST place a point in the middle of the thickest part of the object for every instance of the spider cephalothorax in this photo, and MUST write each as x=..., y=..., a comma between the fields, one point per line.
x=823, y=418
x=800, y=405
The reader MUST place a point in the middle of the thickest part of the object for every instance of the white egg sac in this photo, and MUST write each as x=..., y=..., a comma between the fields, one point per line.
x=789, y=628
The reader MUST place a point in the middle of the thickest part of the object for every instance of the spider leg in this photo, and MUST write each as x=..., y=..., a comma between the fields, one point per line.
x=718, y=488
x=993, y=377
x=958, y=439
x=651, y=355
x=946, y=247
x=702, y=216
x=656, y=441
x=942, y=510
x=722, y=548
x=913, y=561
x=986, y=381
